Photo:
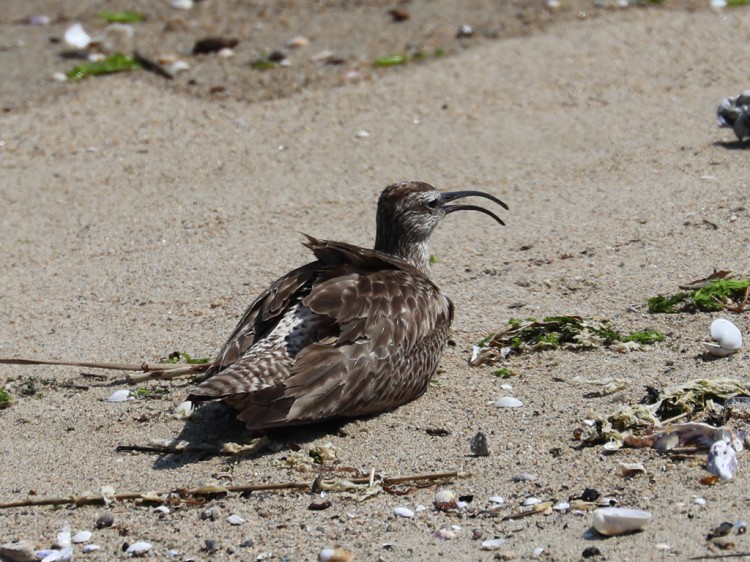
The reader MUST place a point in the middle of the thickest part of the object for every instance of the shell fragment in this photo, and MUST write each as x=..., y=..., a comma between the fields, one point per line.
x=619, y=520
x=727, y=338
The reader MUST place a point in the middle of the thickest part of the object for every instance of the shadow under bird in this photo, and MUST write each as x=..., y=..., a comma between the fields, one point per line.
x=357, y=332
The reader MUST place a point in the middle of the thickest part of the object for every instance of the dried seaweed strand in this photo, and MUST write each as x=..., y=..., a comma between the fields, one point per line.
x=213, y=491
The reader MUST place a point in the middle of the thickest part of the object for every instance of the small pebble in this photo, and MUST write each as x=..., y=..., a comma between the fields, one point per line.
x=20, y=551
x=235, y=520
x=59, y=77
x=479, y=446
x=497, y=499
x=297, y=42
x=106, y=519
x=465, y=31
x=538, y=551
x=700, y=501
x=362, y=134
x=181, y=4
x=225, y=53
x=403, y=512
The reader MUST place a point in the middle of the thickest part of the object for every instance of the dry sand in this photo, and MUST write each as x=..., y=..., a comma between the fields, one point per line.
x=137, y=219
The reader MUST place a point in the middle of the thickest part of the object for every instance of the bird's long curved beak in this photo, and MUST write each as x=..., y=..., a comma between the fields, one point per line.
x=453, y=195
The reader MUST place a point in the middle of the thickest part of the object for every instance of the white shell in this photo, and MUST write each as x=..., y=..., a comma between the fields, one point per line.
x=497, y=499
x=90, y=548
x=181, y=4
x=531, y=501
x=492, y=544
x=508, y=402
x=75, y=36
x=722, y=460
x=619, y=520
x=119, y=396
x=403, y=512
x=81, y=536
x=184, y=410
x=161, y=509
x=445, y=496
x=64, y=555
x=235, y=520
x=728, y=338
x=538, y=551
x=334, y=555
x=138, y=548
x=561, y=506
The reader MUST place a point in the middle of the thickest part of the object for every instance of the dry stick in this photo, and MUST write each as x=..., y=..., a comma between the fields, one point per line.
x=199, y=492
x=158, y=371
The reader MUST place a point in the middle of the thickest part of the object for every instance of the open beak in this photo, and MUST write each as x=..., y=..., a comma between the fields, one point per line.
x=453, y=195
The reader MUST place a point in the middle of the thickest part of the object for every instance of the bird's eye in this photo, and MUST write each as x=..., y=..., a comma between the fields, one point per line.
x=433, y=204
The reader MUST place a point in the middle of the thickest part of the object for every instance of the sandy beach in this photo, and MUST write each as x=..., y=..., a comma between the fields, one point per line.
x=140, y=216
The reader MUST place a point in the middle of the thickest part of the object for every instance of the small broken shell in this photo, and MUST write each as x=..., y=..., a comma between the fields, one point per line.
x=138, y=548
x=119, y=396
x=75, y=36
x=493, y=544
x=184, y=410
x=727, y=336
x=619, y=520
x=722, y=460
x=334, y=555
x=630, y=469
x=235, y=520
x=403, y=512
x=445, y=500
x=81, y=536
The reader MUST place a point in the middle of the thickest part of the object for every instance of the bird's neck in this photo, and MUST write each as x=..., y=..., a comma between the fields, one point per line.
x=400, y=245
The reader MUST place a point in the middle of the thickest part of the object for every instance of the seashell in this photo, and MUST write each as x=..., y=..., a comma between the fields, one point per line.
x=700, y=501
x=363, y=134
x=138, y=548
x=184, y=410
x=64, y=555
x=445, y=534
x=606, y=501
x=181, y=4
x=39, y=20
x=403, y=512
x=628, y=469
x=619, y=520
x=538, y=551
x=81, y=536
x=497, y=499
x=225, y=53
x=722, y=460
x=531, y=501
x=297, y=42
x=235, y=520
x=508, y=402
x=612, y=446
x=59, y=77
x=561, y=506
x=445, y=496
x=492, y=544
x=162, y=509
x=63, y=537
x=75, y=36
x=728, y=338
x=106, y=519
x=334, y=555
x=20, y=551
x=420, y=508
x=525, y=477
x=90, y=548
x=120, y=396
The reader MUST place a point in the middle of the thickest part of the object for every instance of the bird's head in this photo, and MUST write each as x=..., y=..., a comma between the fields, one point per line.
x=408, y=212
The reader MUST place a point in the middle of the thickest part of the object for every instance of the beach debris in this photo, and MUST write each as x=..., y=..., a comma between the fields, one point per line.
x=105, y=520
x=561, y=506
x=115, y=63
x=181, y=4
x=734, y=113
x=5, y=399
x=727, y=338
x=446, y=500
x=493, y=544
x=63, y=537
x=479, y=446
x=76, y=36
x=209, y=45
x=524, y=477
x=497, y=500
x=465, y=31
x=120, y=396
x=716, y=292
x=391, y=60
x=138, y=548
x=591, y=551
x=630, y=469
x=124, y=16
x=398, y=14
x=235, y=520
x=297, y=42
x=40, y=19
x=508, y=402
x=722, y=460
x=568, y=332
x=63, y=555
x=335, y=555
x=528, y=502
x=81, y=537
x=161, y=510
x=611, y=521
x=90, y=548
x=184, y=410
x=20, y=551
x=403, y=512
x=652, y=424
x=537, y=552
x=445, y=534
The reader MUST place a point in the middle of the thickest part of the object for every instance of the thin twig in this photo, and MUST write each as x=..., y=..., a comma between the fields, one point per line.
x=213, y=491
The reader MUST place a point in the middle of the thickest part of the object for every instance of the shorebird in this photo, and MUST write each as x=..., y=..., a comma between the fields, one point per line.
x=357, y=332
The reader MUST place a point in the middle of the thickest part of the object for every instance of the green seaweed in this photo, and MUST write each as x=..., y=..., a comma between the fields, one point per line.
x=124, y=16
x=737, y=3
x=263, y=64
x=115, y=63
x=5, y=399
x=713, y=295
x=503, y=373
x=645, y=337
x=175, y=357
x=390, y=60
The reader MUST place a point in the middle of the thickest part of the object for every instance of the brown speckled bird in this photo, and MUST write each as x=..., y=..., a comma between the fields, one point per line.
x=354, y=333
